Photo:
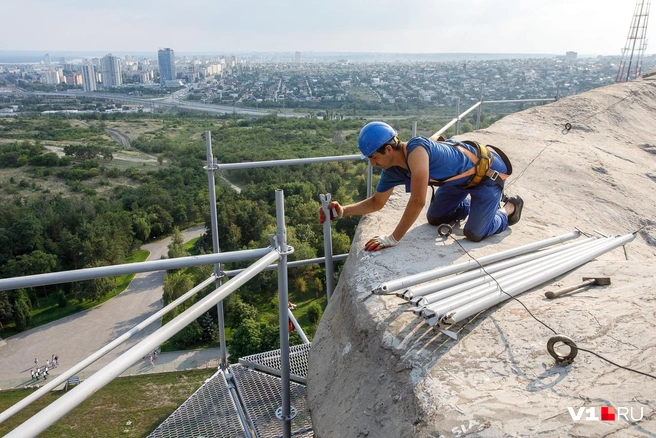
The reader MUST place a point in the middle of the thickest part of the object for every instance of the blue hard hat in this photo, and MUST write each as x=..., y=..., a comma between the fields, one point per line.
x=373, y=136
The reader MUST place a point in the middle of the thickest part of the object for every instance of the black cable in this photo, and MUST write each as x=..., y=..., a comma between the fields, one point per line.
x=541, y=322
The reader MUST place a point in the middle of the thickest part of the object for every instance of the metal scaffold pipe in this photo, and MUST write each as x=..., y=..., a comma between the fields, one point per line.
x=216, y=249
x=474, y=307
x=56, y=410
x=457, y=119
x=327, y=243
x=285, y=411
x=411, y=280
x=415, y=293
x=293, y=161
x=129, y=268
x=58, y=380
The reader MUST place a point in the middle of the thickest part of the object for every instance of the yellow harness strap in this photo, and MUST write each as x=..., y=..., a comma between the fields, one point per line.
x=482, y=166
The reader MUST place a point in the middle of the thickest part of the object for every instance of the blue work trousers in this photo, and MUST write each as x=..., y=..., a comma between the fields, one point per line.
x=480, y=203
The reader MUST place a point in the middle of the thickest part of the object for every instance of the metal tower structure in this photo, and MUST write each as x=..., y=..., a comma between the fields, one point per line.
x=636, y=43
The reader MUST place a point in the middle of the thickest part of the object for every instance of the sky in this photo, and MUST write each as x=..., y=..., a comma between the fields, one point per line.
x=589, y=27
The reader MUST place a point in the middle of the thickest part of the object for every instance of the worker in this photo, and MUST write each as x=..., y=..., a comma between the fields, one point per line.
x=470, y=177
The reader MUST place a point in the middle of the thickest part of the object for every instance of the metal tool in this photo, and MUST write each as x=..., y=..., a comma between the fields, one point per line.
x=445, y=230
x=587, y=281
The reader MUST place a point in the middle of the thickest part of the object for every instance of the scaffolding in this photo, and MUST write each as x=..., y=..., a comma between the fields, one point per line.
x=636, y=44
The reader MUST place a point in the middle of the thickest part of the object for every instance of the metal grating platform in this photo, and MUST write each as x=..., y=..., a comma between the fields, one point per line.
x=209, y=413
x=269, y=362
x=260, y=394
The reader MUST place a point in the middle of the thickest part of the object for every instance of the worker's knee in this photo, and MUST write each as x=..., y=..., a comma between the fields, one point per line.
x=471, y=236
x=445, y=218
x=433, y=220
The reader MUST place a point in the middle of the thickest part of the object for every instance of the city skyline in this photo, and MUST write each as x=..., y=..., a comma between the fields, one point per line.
x=415, y=26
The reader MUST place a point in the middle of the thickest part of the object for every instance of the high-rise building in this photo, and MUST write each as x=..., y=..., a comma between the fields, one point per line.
x=110, y=67
x=166, y=59
x=297, y=57
x=73, y=79
x=88, y=77
x=50, y=77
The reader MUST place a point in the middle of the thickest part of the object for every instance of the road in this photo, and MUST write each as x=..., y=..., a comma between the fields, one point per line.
x=194, y=106
x=76, y=337
x=119, y=137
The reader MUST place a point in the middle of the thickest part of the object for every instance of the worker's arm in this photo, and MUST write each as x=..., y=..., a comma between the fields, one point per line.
x=369, y=205
x=374, y=203
x=418, y=162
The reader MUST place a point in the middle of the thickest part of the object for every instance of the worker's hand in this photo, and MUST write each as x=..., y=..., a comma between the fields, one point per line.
x=379, y=242
x=336, y=212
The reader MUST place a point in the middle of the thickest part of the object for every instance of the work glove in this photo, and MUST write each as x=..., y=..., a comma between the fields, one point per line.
x=336, y=212
x=377, y=243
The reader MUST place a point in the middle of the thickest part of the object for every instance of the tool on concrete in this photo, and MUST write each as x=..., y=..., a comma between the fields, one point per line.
x=587, y=281
x=560, y=359
x=445, y=230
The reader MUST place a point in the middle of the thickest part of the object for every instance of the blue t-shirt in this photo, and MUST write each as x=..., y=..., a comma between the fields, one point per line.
x=445, y=160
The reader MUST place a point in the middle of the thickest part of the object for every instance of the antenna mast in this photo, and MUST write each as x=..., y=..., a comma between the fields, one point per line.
x=636, y=43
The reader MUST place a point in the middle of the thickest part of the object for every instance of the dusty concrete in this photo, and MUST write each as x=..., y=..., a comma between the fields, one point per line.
x=377, y=370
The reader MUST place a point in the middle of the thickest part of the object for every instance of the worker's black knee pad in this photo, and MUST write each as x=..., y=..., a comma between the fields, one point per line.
x=471, y=236
x=434, y=220
x=439, y=220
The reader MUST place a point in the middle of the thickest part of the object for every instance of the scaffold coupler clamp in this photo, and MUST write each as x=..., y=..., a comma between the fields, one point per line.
x=273, y=242
x=214, y=166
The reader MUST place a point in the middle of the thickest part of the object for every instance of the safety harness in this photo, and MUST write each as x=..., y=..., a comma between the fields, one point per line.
x=482, y=166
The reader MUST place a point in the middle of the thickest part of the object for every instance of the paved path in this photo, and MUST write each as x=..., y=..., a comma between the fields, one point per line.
x=76, y=337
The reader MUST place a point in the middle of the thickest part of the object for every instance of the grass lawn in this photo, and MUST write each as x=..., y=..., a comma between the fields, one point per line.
x=127, y=407
x=189, y=246
x=49, y=309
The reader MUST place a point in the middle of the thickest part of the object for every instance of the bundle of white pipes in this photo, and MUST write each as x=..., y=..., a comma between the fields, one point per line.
x=411, y=280
x=448, y=301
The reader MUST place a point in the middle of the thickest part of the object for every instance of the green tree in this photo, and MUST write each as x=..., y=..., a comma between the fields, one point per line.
x=95, y=289
x=209, y=327
x=300, y=284
x=236, y=311
x=6, y=310
x=190, y=335
x=176, y=284
x=246, y=339
x=22, y=316
x=317, y=286
x=176, y=247
x=314, y=312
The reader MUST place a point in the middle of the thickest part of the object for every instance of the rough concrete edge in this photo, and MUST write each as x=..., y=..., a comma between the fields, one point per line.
x=388, y=391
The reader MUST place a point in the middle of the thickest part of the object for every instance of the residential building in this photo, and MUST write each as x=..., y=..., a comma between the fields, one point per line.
x=89, y=77
x=110, y=68
x=50, y=77
x=74, y=79
x=166, y=59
